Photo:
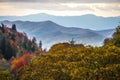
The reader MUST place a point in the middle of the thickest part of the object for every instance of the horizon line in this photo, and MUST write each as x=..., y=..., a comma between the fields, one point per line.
x=57, y=15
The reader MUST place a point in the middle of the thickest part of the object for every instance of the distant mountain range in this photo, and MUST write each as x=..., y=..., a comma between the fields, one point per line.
x=51, y=33
x=87, y=21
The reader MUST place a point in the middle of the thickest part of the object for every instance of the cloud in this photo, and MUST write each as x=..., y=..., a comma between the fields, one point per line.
x=62, y=9
x=109, y=7
x=65, y=1
x=51, y=6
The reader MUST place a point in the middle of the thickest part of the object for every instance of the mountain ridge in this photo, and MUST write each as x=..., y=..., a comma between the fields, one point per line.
x=84, y=21
x=50, y=33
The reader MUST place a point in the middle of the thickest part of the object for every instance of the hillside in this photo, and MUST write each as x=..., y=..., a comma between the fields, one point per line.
x=51, y=33
x=14, y=43
x=106, y=33
x=63, y=61
x=70, y=61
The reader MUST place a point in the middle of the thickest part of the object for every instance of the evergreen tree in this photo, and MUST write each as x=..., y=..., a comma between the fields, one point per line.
x=34, y=40
x=14, y=27
x=40, y=44
x=3, y=29
x=0, y=27
x=72, y=41
x=10, y=51
x=13, y=37
x=3, y=46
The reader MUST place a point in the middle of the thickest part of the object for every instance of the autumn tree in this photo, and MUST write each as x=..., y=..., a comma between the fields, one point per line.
x=13, y=42
x=5, y=74
x=20, y=62
x=116, y=38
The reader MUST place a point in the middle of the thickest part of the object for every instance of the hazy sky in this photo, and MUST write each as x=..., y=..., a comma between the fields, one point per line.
x=104, y=8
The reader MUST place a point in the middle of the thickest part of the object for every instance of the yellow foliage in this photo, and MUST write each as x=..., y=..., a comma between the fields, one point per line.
x=74, y=63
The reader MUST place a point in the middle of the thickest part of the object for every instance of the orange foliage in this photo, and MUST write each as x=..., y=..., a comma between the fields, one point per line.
x=19, y=34
x=19, y=63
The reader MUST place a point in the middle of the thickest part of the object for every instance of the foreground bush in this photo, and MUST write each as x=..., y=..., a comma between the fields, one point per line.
x=74, y=63
x=5, y=75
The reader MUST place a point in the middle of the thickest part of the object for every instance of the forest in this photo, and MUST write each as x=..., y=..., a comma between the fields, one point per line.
x=23, y=59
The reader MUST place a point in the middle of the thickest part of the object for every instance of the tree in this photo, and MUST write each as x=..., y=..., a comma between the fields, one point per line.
x=106, y=41
x=72, y=41
x=20, y=62
x=3, y=46
x=116, y=38
x=34, y=40
x=116, y=41
x=14, y=27
x=3, y=29
x=10, y=50
x=40, y=44
x=117, y=31
x=13, y=37
x=5, y=74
